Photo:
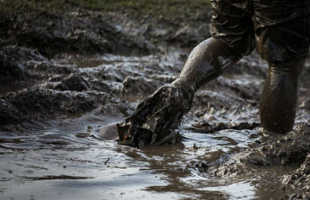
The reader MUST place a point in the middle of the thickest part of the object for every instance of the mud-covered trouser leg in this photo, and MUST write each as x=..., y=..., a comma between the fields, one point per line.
x=278, y=101
x=206, y=62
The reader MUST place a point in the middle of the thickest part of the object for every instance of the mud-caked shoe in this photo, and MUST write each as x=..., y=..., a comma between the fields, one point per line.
x=156, y=117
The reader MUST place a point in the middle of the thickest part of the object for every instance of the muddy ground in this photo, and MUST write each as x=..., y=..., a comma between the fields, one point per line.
x=69, y=68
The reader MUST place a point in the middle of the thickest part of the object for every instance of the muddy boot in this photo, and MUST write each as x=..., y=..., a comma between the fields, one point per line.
x=156, y=118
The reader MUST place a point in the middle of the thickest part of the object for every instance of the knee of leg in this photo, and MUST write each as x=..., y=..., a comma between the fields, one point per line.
x=211, y=55
x=214, y=49
x=281, y=54
x=206, y=61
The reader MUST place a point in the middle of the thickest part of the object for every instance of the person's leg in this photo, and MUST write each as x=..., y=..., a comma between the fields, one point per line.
x=206, y=61
x=278, y=101
x=162, y=111
x=282, y=32
x=232, y=37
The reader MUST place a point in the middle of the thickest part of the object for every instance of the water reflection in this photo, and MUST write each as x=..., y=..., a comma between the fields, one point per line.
x=55, y=159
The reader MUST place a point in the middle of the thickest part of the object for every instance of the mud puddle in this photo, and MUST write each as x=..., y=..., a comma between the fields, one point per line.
x=70, y=161
x=67, y=158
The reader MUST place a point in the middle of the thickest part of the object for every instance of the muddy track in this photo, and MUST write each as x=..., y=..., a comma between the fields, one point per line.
x=85, y=67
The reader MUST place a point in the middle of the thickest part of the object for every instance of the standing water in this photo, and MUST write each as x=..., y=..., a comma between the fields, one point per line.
x=69, y=159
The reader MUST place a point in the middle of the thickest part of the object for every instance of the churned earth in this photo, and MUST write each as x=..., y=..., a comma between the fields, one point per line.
x=71, y=68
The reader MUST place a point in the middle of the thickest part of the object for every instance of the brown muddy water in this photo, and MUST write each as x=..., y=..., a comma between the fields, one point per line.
x=69, y=159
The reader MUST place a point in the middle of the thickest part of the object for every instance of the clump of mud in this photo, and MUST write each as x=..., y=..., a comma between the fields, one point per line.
x=299, y=181
x=39, y=81
x=76, y=32
x=271, y=152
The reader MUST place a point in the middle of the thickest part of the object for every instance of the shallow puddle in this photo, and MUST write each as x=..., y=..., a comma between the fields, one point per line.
x=57, y=163
x=68, y=159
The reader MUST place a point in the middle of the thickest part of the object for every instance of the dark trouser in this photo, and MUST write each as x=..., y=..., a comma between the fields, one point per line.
x=280, y=31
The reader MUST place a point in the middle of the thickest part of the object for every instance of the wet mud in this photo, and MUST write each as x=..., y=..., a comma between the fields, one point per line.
x=66, y=78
